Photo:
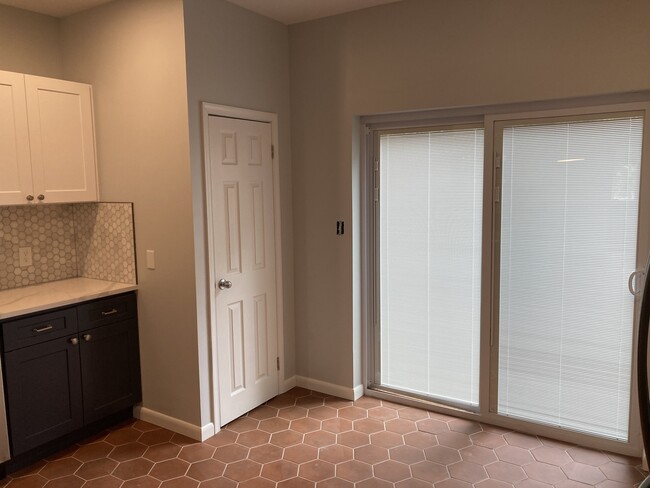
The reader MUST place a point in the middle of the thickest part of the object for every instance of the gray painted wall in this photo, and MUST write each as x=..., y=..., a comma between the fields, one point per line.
x=411, y=55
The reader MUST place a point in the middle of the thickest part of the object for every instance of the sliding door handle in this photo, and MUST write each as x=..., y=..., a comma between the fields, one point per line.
x=633, y=281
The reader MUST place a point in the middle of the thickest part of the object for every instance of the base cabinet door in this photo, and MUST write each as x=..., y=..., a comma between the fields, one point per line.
x=43, y=392
x=110, y=369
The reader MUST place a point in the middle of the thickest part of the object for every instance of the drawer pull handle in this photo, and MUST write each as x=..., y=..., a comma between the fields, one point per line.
x=43, y=329
x=87, y=337
x=109, y=312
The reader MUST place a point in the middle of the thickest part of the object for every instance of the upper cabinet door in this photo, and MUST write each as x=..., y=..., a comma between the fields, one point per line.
x=62, y=140
x=15, y=165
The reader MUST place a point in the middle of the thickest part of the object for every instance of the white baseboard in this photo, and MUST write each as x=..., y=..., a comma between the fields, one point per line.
x=330, y=388
x=197, y=432
x=288, y=384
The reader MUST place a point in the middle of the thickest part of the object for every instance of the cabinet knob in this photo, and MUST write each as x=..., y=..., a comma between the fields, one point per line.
x=87, y=337
x=41, y=197
x=74, y=341
x=29, y=198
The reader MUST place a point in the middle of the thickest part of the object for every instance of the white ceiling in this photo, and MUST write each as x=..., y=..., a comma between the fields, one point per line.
x=285, y=11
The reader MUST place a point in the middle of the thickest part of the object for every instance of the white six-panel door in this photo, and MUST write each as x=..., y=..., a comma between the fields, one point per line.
x=244, y=259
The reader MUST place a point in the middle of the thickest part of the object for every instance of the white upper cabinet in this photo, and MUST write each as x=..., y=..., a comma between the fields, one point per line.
x=50, y=124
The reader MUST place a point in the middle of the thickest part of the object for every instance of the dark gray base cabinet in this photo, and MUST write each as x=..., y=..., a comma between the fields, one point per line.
x=69, y=368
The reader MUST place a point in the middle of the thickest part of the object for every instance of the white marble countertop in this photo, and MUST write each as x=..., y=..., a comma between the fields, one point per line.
x=36, y=298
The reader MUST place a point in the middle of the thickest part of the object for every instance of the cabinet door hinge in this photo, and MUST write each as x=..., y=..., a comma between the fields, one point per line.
x=278, y=363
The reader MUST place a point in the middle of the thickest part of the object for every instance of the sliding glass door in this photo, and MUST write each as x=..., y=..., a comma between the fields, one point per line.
x=569, y=214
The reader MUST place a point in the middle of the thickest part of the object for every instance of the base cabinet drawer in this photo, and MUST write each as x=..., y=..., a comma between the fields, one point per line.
x=57, y=385
x=44, y=399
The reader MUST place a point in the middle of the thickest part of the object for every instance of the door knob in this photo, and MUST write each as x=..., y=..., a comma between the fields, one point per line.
x=74, y=341
x=41, y=197
x=224, y=284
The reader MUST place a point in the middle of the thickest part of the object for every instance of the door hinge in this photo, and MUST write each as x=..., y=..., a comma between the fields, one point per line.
x=272, y=151
x=277, y=360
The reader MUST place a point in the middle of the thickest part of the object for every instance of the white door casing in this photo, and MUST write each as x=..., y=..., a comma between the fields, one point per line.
x=244, y=247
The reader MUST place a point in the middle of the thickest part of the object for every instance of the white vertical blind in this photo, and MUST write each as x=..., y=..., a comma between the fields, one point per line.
x=568, y=244
x=430, y=262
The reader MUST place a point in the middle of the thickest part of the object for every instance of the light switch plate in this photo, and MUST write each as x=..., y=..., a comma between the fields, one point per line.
x=151, y=259
x=25, y=256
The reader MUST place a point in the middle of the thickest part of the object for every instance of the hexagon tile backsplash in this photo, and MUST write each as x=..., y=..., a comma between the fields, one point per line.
x=92, y=240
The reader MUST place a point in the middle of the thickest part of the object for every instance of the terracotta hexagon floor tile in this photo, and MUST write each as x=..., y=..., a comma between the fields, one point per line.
x=182, y=440
x=230, y=453
x=196, y=452
x=492, y=484
x=257, y=483
x=522, y=440
x=180, y=483
x=292, y=413
x=319, y=438
x=96, y=469
x=422, y=440
x=620, y=472
x=392, y=471
x=219, y=483
x=153, y=437
x=353, y=471
x=162, y=452
x=60, y=468
x=275, y=424
x=205, y=470
x=31, y=481
x=368, y=425
x=253, y=438
x=432, y=426
x=367, y=402
x=442, y=455
x=300, y=453
x=172, y=468
x=282, y=401
x=488, y=439
x=466, y=471
x=242, y=424
x=310, y=401
x=296, y=483
x=222, y=438
x=505, y=472
x=587, y=456
x=544, y=472
x=322, y=413
x=317, y=470
x=478, y=455
x=430, y=472
x=305, y=425
x=382, y=413
x=243, y=470
x=336, y=402
x=104, y=482
x=453, y=483
x=336, y=454
x=142, y=482
x=400, y=426
x=583, y=473
x=265, y=454
x=528, y=483
x=551, y=455
x=90, y=452
x=125, y=452
x=336, y=483
x=337, y=425
x=66, y=482
x=410, y=413
x=133, y=469
x=280, y=470
x=286, y=438
x=123, y=436
x=263, y=412
x=455, y=440
x=514, y=455
x=353, y=413
x=386, y=439
x=371, y=454
x=465, y=426
x=407, y=454
x=353, y=439
x=143, y=426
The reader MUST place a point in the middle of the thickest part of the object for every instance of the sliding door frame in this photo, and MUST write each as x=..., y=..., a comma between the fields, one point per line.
x=489, y=117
